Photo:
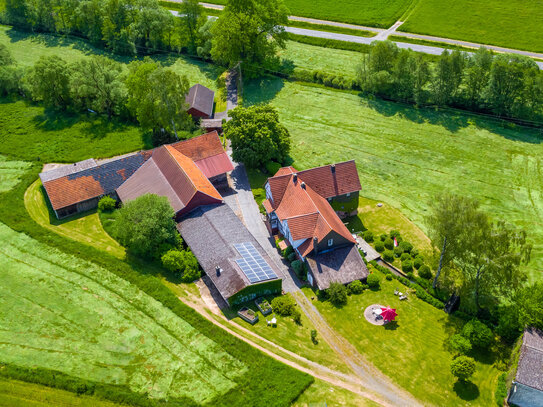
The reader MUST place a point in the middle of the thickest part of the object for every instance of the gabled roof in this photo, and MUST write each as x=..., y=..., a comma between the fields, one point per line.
x=92, y=182
x=207, y=152
x=173, y=175
x=200, y=98
x=328, y=181
x=530, y=365
x=67, y=169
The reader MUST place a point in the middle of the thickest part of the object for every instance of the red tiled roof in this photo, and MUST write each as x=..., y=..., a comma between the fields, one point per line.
x=267, y=205
x=285, y=171
x=64, y=192
x=278, y=186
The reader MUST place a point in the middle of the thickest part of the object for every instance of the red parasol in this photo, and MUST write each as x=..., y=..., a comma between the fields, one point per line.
x=388, y=313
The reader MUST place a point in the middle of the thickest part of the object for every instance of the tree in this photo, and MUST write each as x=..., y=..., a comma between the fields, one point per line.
x=283, y=305
x=250, y=32
x=460, y=344
x=463, y=367
x=182, y=261
x=373, y=281
x=205, y=39
x=478, y=334
x=257, y=136
x=476, y=75
x=447, y=76
x=529, y=306
x=97, y=84
x=145, y=225
x=376, y=73
x=5, y=56
x=17, y=13
x=192, y=19
x=156, y=97
x=49, y=80
x=337, y=293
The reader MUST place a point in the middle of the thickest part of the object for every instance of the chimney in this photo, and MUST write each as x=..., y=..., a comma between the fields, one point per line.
x=315, y=245
x=218, y=270
x=333, y=168
x=295, y=178
x=302, y=185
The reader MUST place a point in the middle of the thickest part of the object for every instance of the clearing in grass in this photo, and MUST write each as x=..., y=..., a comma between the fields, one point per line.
x=405, y=156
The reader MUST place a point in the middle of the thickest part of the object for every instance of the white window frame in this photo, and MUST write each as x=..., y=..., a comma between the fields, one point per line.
x=348, y=194
x=330, y=242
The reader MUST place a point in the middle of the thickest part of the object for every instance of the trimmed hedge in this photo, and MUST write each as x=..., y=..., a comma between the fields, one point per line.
x=388, y=255
x=379, y=246
x=501, y=389
x=368, y=236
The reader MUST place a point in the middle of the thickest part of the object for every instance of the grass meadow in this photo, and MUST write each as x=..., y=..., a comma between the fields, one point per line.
x=10, y=171
x=405, y=156
x=512, y=24
x=413, y=351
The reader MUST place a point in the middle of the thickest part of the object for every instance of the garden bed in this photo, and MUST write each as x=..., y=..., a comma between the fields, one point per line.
x=264, y=306
x=248, y=315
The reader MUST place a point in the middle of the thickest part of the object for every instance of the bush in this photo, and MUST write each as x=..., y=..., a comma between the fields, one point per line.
x=410, y=275
x=297, y=316
x=501, y=389
x=272, y=167
x=182, y=261
x=284, y=305
x=389, y=243
x=398, y=252
x=285, y=253
x=337, y=293
x=388, y=255
x=383, y=237
x=418, y=262
x=356, y=287
x=314, y=336
x=394, y=234
x=404, y=256
x=299, y=268
x=292, y=257
x=368, y=236
x=379, y=246
x=388, y=277
x=407, y=266
x=478, y=334
x=107, y=204
x=373, y=281
x=406, y=246
x=463, y=367
x=425, y=272
x=460, y=344
x=414, y=252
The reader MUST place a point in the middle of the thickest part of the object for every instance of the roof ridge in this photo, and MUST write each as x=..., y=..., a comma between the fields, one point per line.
x=327, y=165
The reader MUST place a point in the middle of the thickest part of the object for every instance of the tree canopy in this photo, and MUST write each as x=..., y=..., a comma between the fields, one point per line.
x=463, y=367
x=257, y=136
x=145, y=226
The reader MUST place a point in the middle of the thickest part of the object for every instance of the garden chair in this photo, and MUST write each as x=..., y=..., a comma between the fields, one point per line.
x=396, y=291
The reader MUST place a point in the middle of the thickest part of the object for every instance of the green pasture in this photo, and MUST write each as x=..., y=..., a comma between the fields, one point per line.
x=512, y=24
x=413, y=352
x=322, y=393
x=104, y=329
x=9, y=172
x=405, y=156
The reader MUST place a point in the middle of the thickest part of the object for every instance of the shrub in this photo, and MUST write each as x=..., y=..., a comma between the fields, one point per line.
x=292, y=257
x=404, y=256
x=107, y=204
x=368, y=236
x=460, y=344
x=478, y=334
x=337, y=293
x=418, y=262
x=299, y=268
x=394, y=234
x=414, y=252
x=389, y=243
x=373, y=281
x=285, y=253
x=314, y=336
x=356, y=287
x=297, y=316
x=410, y=275
x=272, y=167
x=407, y=266
x=501, y=389
x=283, y=305
x=398, y=252
x=379, y=246
x=463, y=367
x=388, y=277
x=383, y=237
x=425, y=272
x=388, y=255
x=172, y=260
x=406, y=246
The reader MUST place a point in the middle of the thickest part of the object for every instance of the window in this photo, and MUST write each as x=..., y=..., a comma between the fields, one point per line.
x=330, y=242
x=348, y=194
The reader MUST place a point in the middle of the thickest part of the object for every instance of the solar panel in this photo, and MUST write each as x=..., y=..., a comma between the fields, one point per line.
x=253, y=264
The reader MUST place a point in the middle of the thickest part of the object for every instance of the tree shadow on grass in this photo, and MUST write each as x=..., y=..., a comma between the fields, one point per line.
x=466, y=390
x=391, y=326
x=262, y=90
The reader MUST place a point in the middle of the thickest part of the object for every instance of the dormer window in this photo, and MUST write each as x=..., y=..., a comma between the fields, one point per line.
x=330, y=242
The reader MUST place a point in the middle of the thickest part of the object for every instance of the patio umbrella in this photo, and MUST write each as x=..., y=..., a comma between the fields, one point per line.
x=388, y=313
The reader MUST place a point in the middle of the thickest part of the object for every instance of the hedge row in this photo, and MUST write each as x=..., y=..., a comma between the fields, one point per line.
x=268, y=381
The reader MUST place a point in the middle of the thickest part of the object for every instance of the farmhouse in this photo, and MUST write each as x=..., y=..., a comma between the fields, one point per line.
x=200, y=101
x=188, y=174
x=299, y=206
x=527, y=389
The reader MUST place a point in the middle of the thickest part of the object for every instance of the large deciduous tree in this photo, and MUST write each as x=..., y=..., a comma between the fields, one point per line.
x=250, y=32
x=156, y=97
x=49, y=81
x=145, y=226
x=257, y=136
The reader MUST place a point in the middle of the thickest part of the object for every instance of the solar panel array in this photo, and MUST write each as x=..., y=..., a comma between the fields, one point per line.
x=253, y=264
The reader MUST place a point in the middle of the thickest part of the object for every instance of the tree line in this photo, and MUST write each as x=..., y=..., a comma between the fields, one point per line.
x=506, y=84
x=146, y=92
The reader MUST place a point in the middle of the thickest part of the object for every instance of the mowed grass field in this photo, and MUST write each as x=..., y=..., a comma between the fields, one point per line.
x=513, y=24
x=406, y=156
x=414, y=351
x=104, y=329
x=10, y=171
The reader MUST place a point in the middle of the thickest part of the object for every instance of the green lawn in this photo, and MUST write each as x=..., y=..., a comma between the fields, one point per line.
x=377, y=13
x=9, y=173
x=322, y=393
x=405, y=156
x=412, y=352
x=21, y=394
x=512, y=24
